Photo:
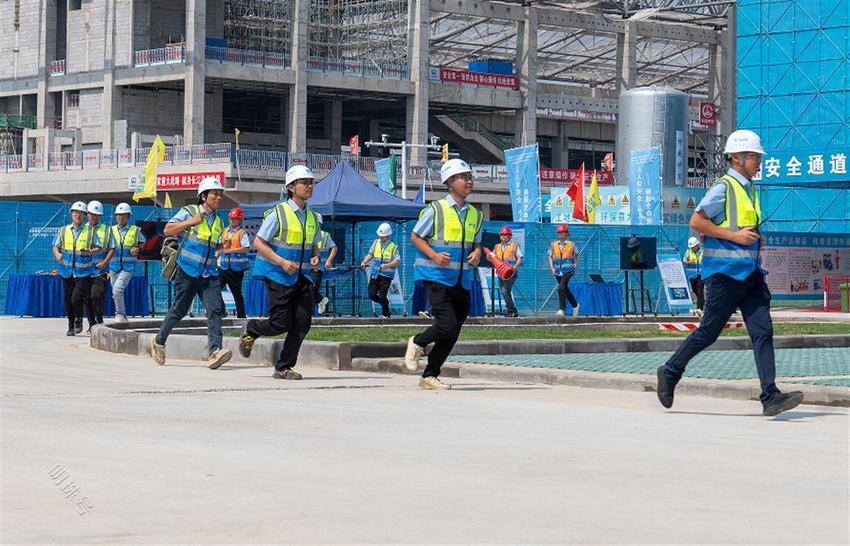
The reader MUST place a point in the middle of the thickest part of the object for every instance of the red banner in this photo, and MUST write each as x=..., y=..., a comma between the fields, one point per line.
x=562, y=178
x=354, y=145
x=707, y=114
x=185, y=181
x=478, y=78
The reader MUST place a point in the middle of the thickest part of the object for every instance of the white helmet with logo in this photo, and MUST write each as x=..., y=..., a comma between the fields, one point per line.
x=384, y=230
x=95, y=207
x=453, y=167
x=693, y=242
x=743, y=140
x=209, y=183
x=80, y=206
x=123, y=208
x=297, y=172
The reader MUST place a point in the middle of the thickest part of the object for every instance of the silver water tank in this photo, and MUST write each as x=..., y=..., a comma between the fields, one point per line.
x=650, y=117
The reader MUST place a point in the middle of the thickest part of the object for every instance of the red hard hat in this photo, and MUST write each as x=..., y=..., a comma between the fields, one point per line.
x=236, y=214
x=563, y=228
x=505, y=231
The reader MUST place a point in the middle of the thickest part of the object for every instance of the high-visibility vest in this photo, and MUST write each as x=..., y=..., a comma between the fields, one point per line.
x=382, y=254
x=506, y=252
x=293, y=242
x=563, y=259
x=198, y=254
x=324, y=250
x=123, y=259
x=73, y=263
x=453, y=237
x=101, y=230
x=724, y=257
x=692, y=269
x=238, y=261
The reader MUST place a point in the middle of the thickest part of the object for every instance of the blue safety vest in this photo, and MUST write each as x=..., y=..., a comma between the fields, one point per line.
x=563, y=259
x=382, y=254
x=324, y=250
x=453, y=237
x=692, y=270
x=236, y=261
x=293, y=242
x=123, y=259
x=73, y=263
x=198, y=254
x=101, y=230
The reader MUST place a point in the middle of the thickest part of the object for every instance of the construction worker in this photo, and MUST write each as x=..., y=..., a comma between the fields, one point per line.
x=233, y=258
x=327, y=253
x=287, y=252
x=693, y=265
x=100, y=263
x=447, y=238
x=509, y=252
x=197, y=271
x=563, y=261
x=384, y=258
x=73, y=248
x=729, y=216
x=125, y=240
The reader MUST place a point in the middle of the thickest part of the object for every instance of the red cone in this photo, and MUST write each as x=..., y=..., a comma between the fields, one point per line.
x=504, y=270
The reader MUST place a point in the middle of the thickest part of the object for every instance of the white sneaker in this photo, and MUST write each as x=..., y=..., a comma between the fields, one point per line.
x=560, y=313
x=121, y=318
x=434, y=384
x=411, y=356
x=323, y=305
x=157, y=351
x=575, y=310
x=383, y=316
x=425, y=314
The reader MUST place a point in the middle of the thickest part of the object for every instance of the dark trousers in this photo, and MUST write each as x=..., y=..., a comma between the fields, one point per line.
x=76, y=291
x=290, y=312
x=94, y=301
x=317, y=286
x=185, y=290
x=564, y=292
x=725, y=295
x=507, y=288
x=450, y=307
x=378, y=288
x=699, y=289
x=233, y=280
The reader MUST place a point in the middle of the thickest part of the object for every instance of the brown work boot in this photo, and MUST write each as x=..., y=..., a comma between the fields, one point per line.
x=157, y=352
x=219, y=357
x=287, y=373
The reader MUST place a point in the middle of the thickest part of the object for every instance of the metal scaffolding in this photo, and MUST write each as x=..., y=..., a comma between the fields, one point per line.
x=364, y=30
x=259, y=25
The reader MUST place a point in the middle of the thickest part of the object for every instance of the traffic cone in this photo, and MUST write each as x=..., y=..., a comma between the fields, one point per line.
x=504, y=270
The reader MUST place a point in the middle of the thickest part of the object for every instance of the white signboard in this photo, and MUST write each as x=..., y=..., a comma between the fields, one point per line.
x=677, y=290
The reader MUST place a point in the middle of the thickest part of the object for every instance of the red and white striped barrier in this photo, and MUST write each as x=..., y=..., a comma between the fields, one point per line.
x=691, y=326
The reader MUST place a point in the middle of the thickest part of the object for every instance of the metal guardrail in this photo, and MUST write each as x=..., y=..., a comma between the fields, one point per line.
x=57, y=67
x=160, y=55
x=358, y=68
x=477, y=127
x=229, y=55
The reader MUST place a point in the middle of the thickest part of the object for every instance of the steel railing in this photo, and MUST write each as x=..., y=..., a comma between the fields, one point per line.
x=358, y=68
x=229, y=55
x=160, y=55
x=57, y=67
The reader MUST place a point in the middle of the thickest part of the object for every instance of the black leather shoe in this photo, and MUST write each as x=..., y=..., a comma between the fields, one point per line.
x=78, y=327
x=782, y=401
x=286, y=373
x=664, y=389
x=70, y=331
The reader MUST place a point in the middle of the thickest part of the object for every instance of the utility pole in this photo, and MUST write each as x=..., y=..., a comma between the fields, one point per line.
x=403, y=146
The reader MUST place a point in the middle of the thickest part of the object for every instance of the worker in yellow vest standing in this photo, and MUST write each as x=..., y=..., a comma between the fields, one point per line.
x=125, y=240
x=693, y=270
x=73, y=248
x=233, y=258
x=447, y=238
x=197, y=271
x=563, y=261
x=100, y=263
x=384, y=258
x=509, y=252
x=729, y=216
x=287, y=246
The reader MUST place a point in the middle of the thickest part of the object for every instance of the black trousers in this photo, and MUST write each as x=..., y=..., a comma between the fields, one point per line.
x=233, y=280
x=76, y=291
x=290, y=312
x=317, y=285
x=450, y=307
x=699, y=289
x=564, y=292
x=378, y=288
x=94, y=301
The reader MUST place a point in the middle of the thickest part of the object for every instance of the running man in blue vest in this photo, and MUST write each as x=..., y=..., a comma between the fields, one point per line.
x=287, y=246
x=447, y=238
x=383, y=257
x=100, y=264
x=125, y=240
x=729, y=217
x=197, y=271
x=73, y=248
x=233, y=258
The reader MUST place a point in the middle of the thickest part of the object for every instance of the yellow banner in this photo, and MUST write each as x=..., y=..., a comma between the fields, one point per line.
x=155, y=157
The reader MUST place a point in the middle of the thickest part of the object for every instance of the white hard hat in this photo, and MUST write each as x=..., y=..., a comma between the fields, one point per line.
x=693, y=242
x=80, y=206
x=297, y=172
x=743, y=140
x=123, y=208
x=95, y=207
x=453, y=167
x=384, y=230
x=209, y=183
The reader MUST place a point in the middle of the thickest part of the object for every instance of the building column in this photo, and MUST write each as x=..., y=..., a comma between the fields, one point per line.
x=715, y=92
x=111, y=95
x=298, y=91
x=418, y=40
x=728, y=75
x=46, y=54
x=526, y=55
x=194, y=86
x=333, y=121
x=626, y=68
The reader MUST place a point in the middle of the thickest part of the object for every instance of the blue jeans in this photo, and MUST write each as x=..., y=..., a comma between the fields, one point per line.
x=723, y=295
x=507, y=288
x=120, y=280
x=185, y=290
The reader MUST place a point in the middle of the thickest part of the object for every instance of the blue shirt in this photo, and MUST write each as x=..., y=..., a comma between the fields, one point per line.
x=425, y=225
x=713, y=204
x=183, y=215
x=269, y=228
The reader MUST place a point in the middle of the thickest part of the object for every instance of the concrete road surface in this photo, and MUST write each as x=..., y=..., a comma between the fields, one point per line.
x=98, y=447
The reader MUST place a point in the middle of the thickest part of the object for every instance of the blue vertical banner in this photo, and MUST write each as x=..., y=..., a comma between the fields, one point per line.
x=382, y=172
x=645, y=186
x=522, y=166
